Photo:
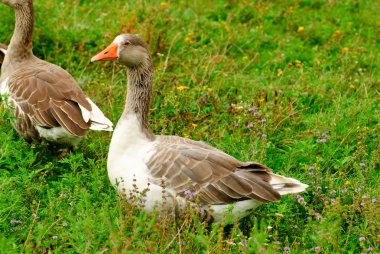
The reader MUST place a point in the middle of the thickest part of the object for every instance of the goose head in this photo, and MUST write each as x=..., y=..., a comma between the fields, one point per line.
x=127, y=49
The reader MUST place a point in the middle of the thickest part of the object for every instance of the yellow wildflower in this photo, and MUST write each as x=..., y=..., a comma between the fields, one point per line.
x=366, y=128
x=180, y=88
x=194, y=124
x=165, y=5
x=298, y=63
x=261, y=100
x=189, y=37
x=344, y=50
x=352, y=86
x=300, y=29
x=186, y=136
x=337, y=33
x=224, y=24
x=245, y=58
x=280, y=73
x=347, y=182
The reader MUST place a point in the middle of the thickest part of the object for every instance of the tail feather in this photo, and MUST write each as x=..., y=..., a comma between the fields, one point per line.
x=3, y=52
x=99, y=122
x=286, y=185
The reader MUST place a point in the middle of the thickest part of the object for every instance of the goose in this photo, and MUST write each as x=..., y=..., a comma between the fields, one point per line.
x=169, y=171
x=47, y=103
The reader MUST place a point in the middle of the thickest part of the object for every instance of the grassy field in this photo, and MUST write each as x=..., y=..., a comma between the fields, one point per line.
x=292, y=84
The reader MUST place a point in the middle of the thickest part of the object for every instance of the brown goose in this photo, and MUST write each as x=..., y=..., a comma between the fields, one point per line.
x=48, y=103
x=187, y=169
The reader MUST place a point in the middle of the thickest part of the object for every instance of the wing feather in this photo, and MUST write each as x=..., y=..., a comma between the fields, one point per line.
x=49, y=97
x=216, y=177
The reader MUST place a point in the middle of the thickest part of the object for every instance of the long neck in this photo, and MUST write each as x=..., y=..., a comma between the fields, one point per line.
x=20, y=46
x=138, y=95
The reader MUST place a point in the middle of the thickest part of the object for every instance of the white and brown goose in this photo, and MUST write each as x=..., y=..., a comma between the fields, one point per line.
x=139, y=159
x=47, y=102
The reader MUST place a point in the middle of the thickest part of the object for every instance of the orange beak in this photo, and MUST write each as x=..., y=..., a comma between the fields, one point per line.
x=109, y=54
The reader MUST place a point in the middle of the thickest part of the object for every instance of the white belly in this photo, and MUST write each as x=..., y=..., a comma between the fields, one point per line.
x=58, y=135
x=4, y=92
x=232, y=212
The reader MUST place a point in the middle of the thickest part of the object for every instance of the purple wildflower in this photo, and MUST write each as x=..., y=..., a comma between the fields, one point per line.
x=321, y=140
x=264, y=136
x=243, y=243
x=370, y=249
x=324, y=135
x=251, y=109
x=374, y=200
x=189, y=194
x=236, y=125
x=286, y=249
x=332, y=200
x=250, y=125
x=16, y=222
x=301, y=200
x=362, y=164
x=362, y=238
x=54, y=237
x=311, y=168
x=365, y=196
x=263, y=121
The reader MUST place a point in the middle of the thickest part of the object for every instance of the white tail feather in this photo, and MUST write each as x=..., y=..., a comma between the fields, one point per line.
x=285, y=185
x=4, y=51
x=98, y=121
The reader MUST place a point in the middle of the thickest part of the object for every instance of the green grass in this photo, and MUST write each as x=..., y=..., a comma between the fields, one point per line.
x=307, y=67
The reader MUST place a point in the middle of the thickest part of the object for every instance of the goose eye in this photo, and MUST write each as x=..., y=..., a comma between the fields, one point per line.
x=126, y=43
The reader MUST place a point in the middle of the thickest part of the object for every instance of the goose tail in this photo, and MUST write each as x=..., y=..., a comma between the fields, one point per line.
x=286, y=185
x=99, y=122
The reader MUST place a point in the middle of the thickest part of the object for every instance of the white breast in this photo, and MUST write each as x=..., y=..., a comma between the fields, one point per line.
x=129, y=151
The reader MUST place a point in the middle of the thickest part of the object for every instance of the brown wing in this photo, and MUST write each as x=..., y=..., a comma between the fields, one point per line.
x=215, y=177
x=49, y=97
x=172, y=140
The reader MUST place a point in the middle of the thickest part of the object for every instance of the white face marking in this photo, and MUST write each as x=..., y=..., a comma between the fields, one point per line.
x=119, y=39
